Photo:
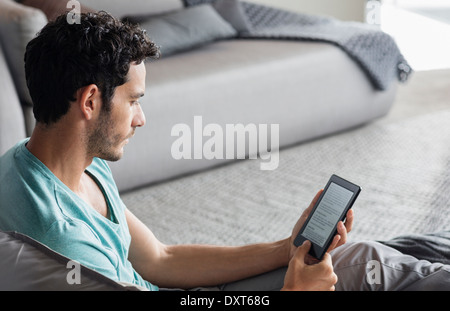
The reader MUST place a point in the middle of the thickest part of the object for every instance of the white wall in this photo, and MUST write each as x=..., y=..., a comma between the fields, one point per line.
x=341, y=9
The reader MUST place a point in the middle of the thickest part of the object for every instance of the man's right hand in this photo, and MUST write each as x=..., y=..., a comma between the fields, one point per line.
x=303, y=276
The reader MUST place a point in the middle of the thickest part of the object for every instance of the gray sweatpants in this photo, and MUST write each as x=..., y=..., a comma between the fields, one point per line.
x=364, y=266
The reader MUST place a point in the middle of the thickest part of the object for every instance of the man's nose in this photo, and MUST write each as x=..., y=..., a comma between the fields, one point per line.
x=139, y=117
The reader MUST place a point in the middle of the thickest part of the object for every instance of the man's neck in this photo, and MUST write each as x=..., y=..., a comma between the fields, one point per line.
x=62, y=151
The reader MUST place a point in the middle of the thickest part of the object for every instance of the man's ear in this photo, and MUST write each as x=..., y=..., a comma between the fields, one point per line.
x=89, y=100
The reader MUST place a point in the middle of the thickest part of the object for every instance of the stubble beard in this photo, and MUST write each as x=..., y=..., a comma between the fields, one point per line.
x=103, y=143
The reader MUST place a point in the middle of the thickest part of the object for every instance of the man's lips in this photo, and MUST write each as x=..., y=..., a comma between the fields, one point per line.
x=127, y=139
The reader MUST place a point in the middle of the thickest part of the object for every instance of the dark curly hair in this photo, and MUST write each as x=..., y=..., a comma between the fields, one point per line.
x=65, y=57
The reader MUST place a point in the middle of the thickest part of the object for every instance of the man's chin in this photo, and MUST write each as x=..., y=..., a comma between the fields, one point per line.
x=112, y=157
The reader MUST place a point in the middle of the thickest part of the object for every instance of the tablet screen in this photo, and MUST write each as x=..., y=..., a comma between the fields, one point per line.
x=327, y=214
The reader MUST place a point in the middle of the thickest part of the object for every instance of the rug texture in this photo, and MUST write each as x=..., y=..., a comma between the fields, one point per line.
x=403, y=167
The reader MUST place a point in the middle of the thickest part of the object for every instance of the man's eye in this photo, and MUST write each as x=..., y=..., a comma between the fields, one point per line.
x=135, y=103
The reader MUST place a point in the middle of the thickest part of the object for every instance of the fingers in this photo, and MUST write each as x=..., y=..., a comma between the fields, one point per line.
x=328, y=270
x=349, y=220
x=302, y=251
x=335, y=243
x=326, y=260
x=343, y=228
x=301, y=276
x=342, y=232
x=302, y=254
x=324, y=273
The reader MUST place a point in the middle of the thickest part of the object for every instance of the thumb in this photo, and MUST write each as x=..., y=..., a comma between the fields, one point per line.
x=303, y=250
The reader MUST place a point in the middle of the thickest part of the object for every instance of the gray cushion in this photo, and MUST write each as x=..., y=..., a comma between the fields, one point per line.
x=12, y=127
x=187, y=28
x=26, y=264
x=18, y=25
x=121, y=8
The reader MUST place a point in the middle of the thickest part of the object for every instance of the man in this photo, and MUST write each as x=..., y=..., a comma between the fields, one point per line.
x=85, y=81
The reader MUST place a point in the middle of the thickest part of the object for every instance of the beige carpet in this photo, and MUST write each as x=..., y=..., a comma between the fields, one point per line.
x=401, y=161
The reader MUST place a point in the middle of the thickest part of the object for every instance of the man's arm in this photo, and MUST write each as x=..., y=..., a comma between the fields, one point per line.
x=187, y=266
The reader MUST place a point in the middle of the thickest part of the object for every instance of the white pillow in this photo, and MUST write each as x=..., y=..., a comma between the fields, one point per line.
x=121, y=8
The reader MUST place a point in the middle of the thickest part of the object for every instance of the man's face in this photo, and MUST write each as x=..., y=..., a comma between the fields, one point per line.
x=113, y=129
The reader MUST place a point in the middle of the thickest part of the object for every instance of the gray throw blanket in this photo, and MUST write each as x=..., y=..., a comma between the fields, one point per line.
x=375, y=51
